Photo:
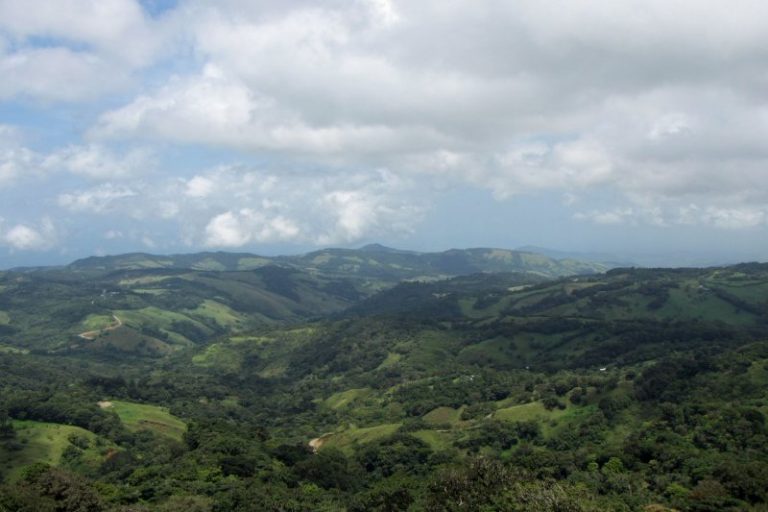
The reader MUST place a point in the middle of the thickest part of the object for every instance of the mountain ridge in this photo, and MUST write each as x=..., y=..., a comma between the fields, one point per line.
x=372, y=259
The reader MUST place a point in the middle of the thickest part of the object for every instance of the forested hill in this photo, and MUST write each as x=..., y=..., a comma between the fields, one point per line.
x=165, y=303
x=631, y=390
x=370, y=262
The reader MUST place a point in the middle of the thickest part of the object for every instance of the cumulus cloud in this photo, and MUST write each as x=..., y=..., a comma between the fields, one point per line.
x=240, y=206
x=90, y=47
x=98, y=162
x=93, y=162
x=199, y=187
x=636, y=112
x=24, y=237
x=236, y=229
x=96, y=200
x=513, y=97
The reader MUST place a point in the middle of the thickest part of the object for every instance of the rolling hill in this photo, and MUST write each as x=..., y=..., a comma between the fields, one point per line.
x=164, y=303
x=292, y=388
x=372, y=262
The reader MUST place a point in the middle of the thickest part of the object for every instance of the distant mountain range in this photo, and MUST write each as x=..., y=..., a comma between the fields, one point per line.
x=369, y=262
x=164, y=303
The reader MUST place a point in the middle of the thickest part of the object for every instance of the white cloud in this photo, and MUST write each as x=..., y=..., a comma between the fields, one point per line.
x=737, y=218
x=237, y=206
x=89, y=48
x=95, y=162
x=217, y=110
x=14, y=163
x=148, y=242
x=28, y=238
x=514, y=97
x=659, y=114
x=15, y=159
x=670, y=214
x=101, y=199
x=236, y=229
x=98, y=162
x=57, y=74
x=199, y=187
x=618, y=216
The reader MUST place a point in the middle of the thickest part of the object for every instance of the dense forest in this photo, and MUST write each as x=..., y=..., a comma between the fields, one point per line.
x=139, y=387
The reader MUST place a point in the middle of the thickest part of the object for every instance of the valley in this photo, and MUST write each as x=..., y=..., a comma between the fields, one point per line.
x=139, y=383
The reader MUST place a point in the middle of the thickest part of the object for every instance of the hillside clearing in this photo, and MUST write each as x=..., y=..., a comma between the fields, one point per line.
x=154, y=418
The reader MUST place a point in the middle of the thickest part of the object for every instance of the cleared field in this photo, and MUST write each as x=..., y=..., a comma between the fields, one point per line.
x=125, y=339
x=97, y=322
x=218, y=356
x=527, y=412
x=5, y=349
x=45, y=442
x=160, y=319
x=347, y=439
x=496, y=351
x=143, y=280
x=391, y=360
x=256, y=340
x=443, y=415
x=344, y=398
x=551, y=421
x=252, y=262
x=221, y=314
x=436, y=440
x=148, y=417
x=208, y=264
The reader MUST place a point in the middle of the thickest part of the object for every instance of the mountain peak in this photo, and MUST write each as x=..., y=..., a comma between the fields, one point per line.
x=378, y=248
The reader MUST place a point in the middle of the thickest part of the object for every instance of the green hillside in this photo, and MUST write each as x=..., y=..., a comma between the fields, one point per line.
x=374, y=263
x=632, y=390
x=165, y=303
x=160, y=310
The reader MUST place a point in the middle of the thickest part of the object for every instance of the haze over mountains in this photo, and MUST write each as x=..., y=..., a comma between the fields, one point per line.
x=369, y=261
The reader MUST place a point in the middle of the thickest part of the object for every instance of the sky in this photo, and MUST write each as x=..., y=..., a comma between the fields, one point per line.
x=635, y=128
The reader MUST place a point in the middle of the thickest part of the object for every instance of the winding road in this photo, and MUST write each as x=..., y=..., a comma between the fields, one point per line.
x=91, y=335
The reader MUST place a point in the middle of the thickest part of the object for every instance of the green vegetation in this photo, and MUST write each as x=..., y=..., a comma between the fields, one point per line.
x=443, y=416
x=345, y=398
x=147, y=417
x=353, y=437
x=220, y=357
x=292, y=388
x=49, y=443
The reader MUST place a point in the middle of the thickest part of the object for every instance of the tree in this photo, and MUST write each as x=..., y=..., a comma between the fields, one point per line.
x=7, y=431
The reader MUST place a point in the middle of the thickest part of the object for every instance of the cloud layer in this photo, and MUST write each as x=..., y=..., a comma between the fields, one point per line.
x=340, y=121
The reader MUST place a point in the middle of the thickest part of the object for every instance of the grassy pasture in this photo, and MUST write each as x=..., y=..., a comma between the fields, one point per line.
x=97, y=322
x=498, y=351
x=160, y=319
x=125, y=339
x=208, y=264
x=354, y=436
x=143, y=280
x=221, y=314
x=6, y=349
x=45, y=442
x=148, y=417
x=392, y=359
x=443, y=415
x=344, y=398
x=436, y=440
x=218, y=356
x=250, y=263
x=527, y=412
